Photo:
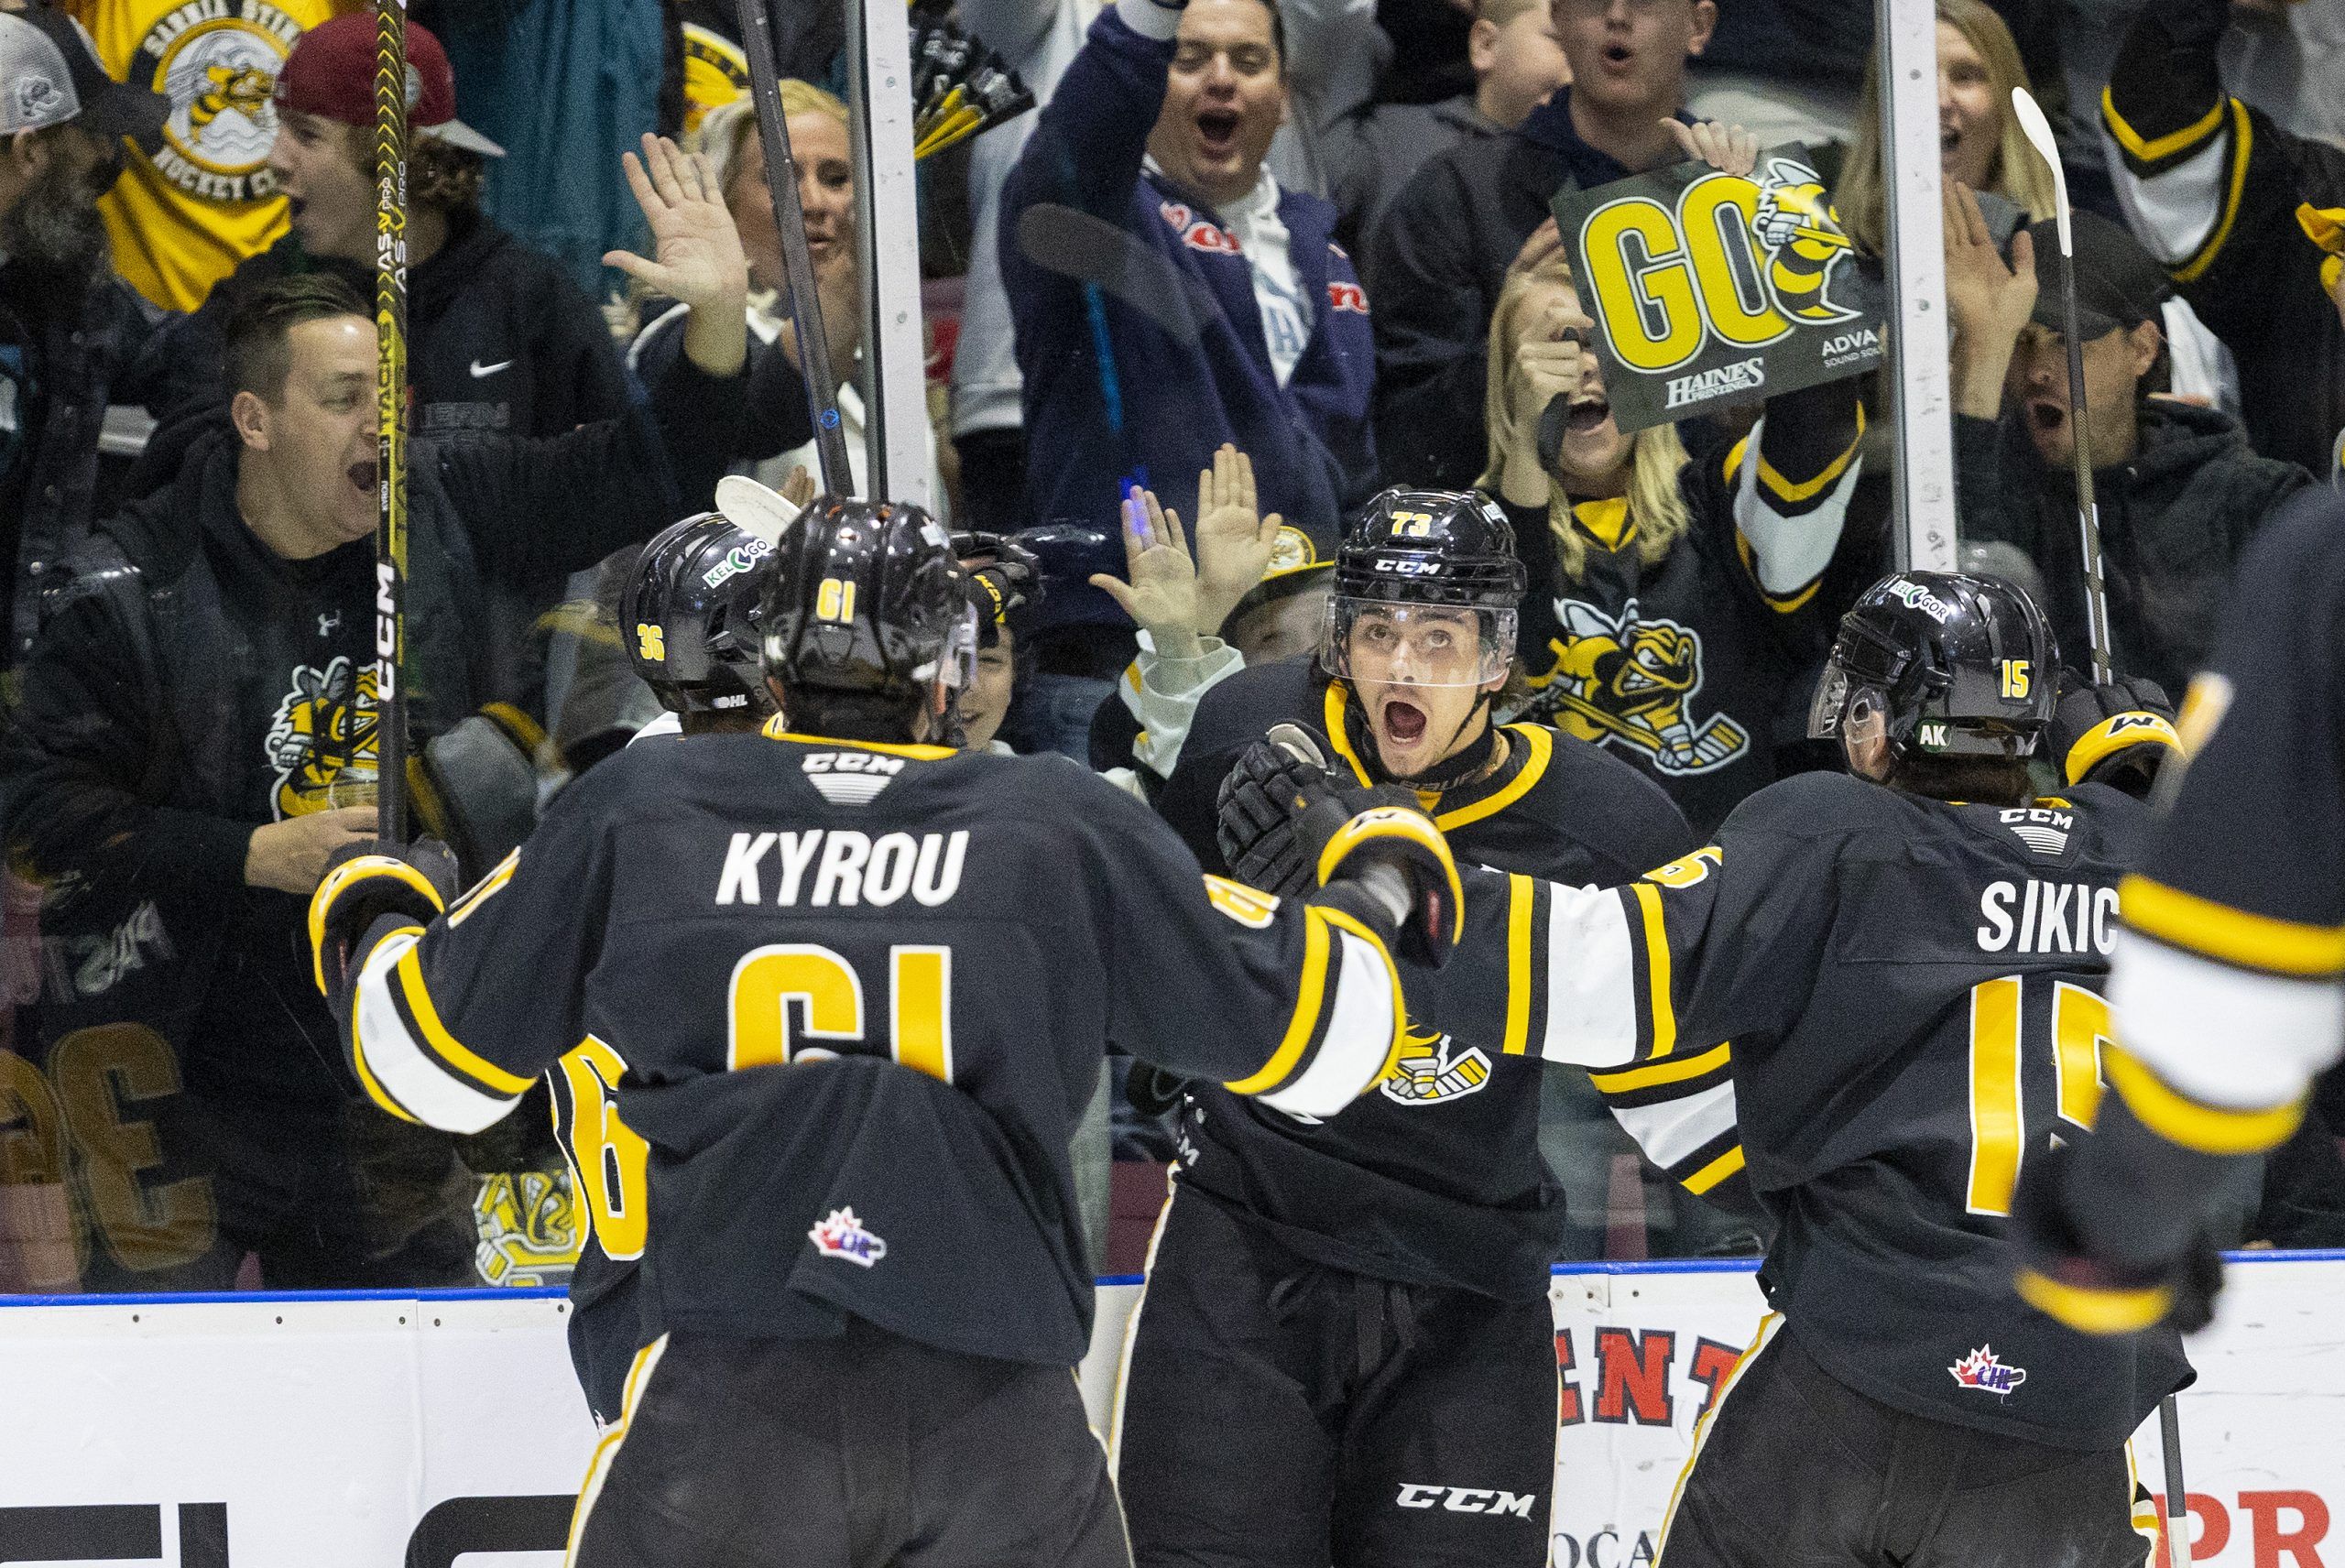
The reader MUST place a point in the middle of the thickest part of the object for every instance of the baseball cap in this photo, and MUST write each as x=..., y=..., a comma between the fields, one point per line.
x=49, y=75
x=330, y=73
x=2119, y=284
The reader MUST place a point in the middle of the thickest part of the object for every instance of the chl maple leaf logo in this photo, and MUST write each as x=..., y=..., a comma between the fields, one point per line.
x=1982, y=1371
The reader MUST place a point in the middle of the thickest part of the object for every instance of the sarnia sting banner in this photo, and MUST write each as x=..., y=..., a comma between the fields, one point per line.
x=1709, y=290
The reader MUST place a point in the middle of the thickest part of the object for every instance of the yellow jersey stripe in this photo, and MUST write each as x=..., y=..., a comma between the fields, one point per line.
x=2151, y=150
x=2202, y=1129
x=1390, y=822
x=1808, y=489
x=2231, y=936
x=1664, y=1012
x=1520, y=892
x=1716, y=1171
x=775, y=730
x=1392, y=978
x=486, y=888
x=1309, y=998
x=2094, y=1311
x=1541, y=741
x=1675, y=1070
x=446, y=1046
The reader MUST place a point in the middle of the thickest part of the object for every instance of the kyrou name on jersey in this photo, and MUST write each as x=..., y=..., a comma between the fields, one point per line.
x=2047, y=917
x=838, y=867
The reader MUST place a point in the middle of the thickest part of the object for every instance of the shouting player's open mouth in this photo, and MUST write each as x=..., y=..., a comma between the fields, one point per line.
x=1402, y=721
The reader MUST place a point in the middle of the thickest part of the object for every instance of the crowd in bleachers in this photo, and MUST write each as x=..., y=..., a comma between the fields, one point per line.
x=1260, y=259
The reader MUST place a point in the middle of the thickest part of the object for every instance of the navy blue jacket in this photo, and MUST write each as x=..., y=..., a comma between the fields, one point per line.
x=1111, y=392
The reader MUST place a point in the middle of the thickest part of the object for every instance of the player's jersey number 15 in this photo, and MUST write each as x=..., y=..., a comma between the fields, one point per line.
x=771, y=984
x=2081, y=1029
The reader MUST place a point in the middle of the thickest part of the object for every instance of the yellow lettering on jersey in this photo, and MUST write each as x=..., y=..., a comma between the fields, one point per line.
x=1248, y=907
x=919, y=1018
x=609, y=1159
x=768, y=981
x=765, y=982
x=2081, y=1030
x=1995, y=1106
x=1694, y=868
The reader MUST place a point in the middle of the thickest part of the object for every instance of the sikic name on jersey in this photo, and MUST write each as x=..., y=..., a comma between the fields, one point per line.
x=839, y=867
x=2038, y=917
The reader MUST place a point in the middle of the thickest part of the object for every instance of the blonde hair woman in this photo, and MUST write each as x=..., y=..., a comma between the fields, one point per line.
x=1674, y=593
x=1979, y=141
x=780, y=436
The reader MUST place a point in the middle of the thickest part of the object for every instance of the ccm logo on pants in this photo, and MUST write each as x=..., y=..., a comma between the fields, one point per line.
x=1467, y=1499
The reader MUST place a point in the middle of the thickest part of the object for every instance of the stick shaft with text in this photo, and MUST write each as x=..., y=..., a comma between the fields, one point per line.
x=390, y=412
x=2039, y=134
x=797, y=261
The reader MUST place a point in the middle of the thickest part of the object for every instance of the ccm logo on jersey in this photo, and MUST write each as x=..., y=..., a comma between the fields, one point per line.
x=2047, y=917
x=1465, y=1499
x=828, y=866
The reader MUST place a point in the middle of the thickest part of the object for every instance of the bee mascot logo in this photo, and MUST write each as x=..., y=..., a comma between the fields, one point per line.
x=1630, y=682
x=323, y=728
x=1432, y=1068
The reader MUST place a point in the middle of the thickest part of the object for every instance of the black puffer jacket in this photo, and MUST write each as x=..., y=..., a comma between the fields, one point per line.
x=2173, y=519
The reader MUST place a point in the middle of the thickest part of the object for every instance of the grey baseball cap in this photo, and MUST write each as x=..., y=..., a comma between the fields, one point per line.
x=49, y=75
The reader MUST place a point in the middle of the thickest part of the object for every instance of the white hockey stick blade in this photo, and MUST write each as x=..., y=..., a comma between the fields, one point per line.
x=753, y=508
x=2038, y=131
x=1297, y=742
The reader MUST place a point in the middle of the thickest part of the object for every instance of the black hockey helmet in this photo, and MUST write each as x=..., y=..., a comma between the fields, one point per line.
x=1955, y=665
x=1445, y=549
x=690, y=613
x=867, y=596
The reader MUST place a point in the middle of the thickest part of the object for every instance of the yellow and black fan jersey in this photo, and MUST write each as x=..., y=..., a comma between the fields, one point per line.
x=182, y=219
x=1913, y=990
x=862, y=993
x=2230, y=969
x=1436, y=1178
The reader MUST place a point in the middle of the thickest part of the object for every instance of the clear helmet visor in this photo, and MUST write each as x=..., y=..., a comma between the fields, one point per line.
x=1830, y=705
x=1415, y=645
x=957, y=663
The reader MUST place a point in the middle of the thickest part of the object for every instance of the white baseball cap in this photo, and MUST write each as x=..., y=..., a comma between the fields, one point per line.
x=49, y=75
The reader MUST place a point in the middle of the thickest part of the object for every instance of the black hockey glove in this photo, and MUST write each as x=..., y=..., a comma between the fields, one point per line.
x=2119, y=735
x=2060, y=1279
x=1004, y=576
x=368, y=882
x=1286, y=824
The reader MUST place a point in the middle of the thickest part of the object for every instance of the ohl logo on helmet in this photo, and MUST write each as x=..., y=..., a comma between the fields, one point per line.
x=217, y=61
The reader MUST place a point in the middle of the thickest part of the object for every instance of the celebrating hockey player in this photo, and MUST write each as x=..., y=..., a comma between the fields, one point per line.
x=1339, y=1309
x=688, y=618
x=862, y=980
x=1911, y=985
x=2229, y=983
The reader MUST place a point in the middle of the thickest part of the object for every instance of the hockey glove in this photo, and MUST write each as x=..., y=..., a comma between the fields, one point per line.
x=2058, y=1278
x=1283, y=817
x=2119, y=735
x=411, y=883
x=1004, y=576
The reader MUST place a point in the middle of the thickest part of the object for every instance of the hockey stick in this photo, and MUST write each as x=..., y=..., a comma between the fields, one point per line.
x=798, y=263
x=2038, y=131
x=390, y=417
x=2178, y=1501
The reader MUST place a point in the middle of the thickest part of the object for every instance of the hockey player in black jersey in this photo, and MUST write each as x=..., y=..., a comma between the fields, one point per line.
x=1907, y=960
x=2230, y=982
x=1343, y=1313
x=863, y=981
x=688, y=619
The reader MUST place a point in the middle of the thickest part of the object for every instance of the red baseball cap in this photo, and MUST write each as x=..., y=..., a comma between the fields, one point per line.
x=330, y=73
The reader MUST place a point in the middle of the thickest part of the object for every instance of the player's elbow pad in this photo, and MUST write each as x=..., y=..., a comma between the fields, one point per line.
x=1399, y=864
x=1344, y=1034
